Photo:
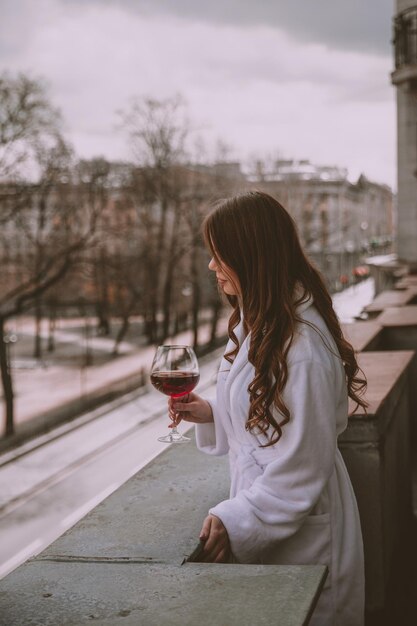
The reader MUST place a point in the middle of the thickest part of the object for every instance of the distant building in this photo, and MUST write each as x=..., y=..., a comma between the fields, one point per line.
x=404, y=78
x=226, y=170
x=338, y=221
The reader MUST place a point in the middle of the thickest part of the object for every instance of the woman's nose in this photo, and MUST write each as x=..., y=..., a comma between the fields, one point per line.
x=212, y=265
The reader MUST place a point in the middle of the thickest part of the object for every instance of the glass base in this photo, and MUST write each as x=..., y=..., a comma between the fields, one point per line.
x=174, y=438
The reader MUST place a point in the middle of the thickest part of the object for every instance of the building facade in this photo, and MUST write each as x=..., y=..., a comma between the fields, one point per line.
x=339, y=222
x=404, y=78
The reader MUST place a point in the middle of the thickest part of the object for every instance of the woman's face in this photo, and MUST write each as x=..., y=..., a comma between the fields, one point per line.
x=226, y=278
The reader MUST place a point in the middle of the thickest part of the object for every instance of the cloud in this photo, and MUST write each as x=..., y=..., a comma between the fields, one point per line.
x=15, y=27
x=257, y=88
x=363, y=25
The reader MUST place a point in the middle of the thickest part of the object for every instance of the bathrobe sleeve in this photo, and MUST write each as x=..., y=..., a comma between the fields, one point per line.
x=212, y=438
x=296, y=469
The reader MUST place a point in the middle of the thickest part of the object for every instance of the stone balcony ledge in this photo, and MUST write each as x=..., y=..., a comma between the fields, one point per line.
x=123, y=563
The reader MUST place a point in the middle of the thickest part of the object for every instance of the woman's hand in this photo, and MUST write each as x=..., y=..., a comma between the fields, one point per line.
x=190, y=408
x=216, y=541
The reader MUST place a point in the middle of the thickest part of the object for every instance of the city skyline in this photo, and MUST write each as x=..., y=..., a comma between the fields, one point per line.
x=266, y=80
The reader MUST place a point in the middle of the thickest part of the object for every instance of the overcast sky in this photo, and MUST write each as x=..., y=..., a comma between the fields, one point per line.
x=291, y=78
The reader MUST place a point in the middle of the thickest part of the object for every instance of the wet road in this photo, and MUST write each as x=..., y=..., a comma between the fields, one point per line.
x=46, y=490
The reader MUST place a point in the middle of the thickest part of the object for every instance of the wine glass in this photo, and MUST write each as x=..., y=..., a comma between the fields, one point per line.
x=175, y=373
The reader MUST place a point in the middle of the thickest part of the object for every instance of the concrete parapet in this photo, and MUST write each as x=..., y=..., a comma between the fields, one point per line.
x=392, y=298
x=375, y=448
x=403, y=319
x=363, y=336
x=123, y=563
x=385, y=270
x=399, y=332
x=135, y=593
x=407, y=281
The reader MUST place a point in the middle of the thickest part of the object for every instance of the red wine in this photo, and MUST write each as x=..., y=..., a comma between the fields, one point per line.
x=174, y=383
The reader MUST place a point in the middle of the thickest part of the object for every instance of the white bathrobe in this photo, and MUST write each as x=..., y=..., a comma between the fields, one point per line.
x=293, y=503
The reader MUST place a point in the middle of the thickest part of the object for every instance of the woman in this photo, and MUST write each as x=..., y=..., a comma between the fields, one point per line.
x=282, y=401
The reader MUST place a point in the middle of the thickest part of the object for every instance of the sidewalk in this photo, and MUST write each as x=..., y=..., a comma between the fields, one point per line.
x=64, y=385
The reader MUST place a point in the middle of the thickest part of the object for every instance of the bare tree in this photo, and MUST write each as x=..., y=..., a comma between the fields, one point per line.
x=158, y=130
x=95, y=178
x=27, y=122
x=48, y=220
x=66, y=250
x=54, y=165
x=127, y=272
x=208, y=183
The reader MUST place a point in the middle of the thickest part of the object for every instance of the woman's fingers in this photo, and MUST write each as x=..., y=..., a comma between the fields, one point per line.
x=219, y=554
x=221, y=557
x=190, y=408
x=185, y=406
x=214, y=543
x=174, y=416
x=175, y=413
x=205, y=530
x=216, y=547
x=182, y=406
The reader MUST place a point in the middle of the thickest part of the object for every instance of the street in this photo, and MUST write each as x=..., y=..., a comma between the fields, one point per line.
x=47, y=490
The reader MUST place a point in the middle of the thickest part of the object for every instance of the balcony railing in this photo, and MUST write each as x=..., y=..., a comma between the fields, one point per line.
x=405, y=38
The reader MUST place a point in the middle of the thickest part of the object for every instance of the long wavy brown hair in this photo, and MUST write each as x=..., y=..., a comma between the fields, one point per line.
x=254, y=236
